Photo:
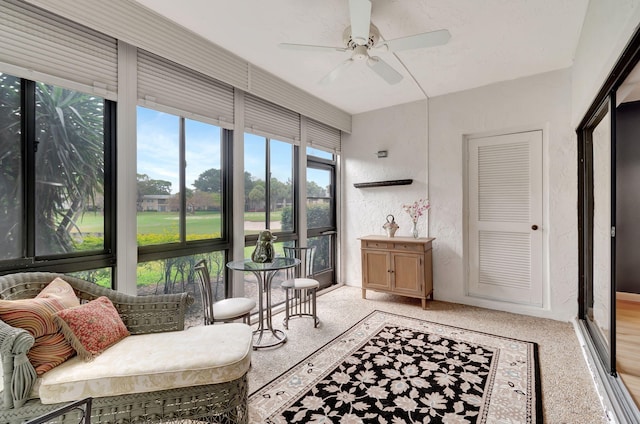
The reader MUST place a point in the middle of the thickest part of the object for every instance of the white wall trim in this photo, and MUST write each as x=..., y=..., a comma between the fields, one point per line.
x=126, y=160
x=302, y=184
x=238, y=192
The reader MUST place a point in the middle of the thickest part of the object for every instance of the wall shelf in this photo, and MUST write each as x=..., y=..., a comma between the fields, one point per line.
x=383, y=183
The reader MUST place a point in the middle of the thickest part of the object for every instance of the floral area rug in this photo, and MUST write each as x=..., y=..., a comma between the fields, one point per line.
x=393, y=369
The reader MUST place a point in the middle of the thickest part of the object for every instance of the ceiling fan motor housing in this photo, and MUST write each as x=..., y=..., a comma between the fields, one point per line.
x=374, y=36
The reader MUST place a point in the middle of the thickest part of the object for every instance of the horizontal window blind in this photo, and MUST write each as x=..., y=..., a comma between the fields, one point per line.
x=267, y=86
x=268, y=119
x=162, y=82
x=36, y=44
x=134, y=24
x=321, y=136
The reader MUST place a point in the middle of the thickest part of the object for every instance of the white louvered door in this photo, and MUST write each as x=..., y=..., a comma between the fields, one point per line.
x=505, y=217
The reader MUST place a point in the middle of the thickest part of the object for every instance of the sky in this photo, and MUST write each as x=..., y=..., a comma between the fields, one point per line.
x=158, y=135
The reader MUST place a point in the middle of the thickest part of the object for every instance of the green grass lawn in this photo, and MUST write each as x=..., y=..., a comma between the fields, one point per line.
x=162, y=227
x=167, y=222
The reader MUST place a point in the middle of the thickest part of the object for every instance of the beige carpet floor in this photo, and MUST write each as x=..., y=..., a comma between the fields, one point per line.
x=568, y=392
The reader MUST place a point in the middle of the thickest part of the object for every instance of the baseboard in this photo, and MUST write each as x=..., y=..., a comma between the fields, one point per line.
x=628, y=297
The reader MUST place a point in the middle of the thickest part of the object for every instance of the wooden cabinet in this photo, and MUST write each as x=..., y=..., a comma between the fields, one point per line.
x=399, y=265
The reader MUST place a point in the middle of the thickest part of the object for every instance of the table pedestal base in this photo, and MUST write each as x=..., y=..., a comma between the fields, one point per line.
x=265, y=335
x=264, y=338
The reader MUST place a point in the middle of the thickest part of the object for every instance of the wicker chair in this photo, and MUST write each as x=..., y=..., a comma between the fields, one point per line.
x=211, y=403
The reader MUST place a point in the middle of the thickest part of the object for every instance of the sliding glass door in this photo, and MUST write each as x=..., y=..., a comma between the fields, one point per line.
x=599, y=224
x=608, y=200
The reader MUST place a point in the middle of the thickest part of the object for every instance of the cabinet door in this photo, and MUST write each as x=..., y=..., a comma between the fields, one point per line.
x=407, y=273
x=376, y=267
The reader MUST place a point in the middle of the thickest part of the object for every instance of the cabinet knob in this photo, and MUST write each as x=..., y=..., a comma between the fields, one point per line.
x=534, y=227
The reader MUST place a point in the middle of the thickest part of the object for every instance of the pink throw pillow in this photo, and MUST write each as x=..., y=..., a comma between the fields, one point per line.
x=92, y=327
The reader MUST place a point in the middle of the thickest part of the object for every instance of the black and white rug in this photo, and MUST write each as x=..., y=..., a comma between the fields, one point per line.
x=393, y=369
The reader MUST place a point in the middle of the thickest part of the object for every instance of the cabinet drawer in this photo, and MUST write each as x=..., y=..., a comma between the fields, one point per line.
x=408, y=247
x=376, y=244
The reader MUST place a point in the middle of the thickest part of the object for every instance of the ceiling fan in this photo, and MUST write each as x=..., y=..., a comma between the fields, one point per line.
x=362, y=37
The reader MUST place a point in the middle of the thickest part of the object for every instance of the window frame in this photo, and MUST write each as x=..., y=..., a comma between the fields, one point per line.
x=326, y=278
x=185, y=247
x=283, y=236
x=70, y=261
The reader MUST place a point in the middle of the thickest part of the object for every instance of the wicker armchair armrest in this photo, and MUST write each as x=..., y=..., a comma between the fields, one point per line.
x=152, y=314
x=18, y=373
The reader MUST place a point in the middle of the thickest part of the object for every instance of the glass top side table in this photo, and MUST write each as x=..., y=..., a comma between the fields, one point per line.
x=264, y=273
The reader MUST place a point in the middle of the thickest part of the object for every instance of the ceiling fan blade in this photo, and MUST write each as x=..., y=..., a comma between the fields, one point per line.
x=310, y=47
x=360, y=12
x=384, y=70
x=418, y=41
x=331, y=76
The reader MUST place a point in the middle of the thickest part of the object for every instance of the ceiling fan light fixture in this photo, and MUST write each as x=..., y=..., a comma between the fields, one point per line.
x=360, y=53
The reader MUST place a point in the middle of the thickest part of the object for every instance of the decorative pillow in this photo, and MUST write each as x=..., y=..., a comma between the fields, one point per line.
x=61, y=290
x=92, y=327
x=37, y=317
x=49, y=351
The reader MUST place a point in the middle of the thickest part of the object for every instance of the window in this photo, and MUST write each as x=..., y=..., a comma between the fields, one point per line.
x=269, y=201
x=11, y=182
x=56, y=166
x=319, y=153
x=178, y=203
x=158, y=175
x=181, y=200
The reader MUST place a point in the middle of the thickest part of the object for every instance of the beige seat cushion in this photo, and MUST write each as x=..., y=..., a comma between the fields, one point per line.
x=150, y=362
x=232, y=307
x=300, y=283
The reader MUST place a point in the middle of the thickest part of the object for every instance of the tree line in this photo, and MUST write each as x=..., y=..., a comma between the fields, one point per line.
x=207, y=191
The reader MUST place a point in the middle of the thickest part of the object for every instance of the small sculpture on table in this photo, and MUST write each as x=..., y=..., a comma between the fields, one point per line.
x=390, y=226
x=264, y=252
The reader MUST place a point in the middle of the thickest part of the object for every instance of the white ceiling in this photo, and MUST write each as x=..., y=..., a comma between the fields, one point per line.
x=491, y=41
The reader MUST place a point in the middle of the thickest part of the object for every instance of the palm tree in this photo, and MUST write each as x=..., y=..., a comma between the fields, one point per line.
x=11, y=209
x=69, y=163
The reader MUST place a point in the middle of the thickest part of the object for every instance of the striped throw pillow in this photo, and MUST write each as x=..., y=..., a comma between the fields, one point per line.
x=37, y=317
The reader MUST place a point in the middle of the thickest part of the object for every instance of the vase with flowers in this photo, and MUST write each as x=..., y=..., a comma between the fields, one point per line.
x=415, y=211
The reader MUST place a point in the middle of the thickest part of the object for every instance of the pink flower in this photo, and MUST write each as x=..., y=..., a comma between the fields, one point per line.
x=416, y=209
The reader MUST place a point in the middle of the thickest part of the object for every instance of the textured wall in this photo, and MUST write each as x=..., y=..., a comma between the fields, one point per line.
x=554, y=102
x=537, y=102
x=402, y=130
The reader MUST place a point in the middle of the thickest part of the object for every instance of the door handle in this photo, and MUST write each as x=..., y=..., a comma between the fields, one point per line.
x=534, y=227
